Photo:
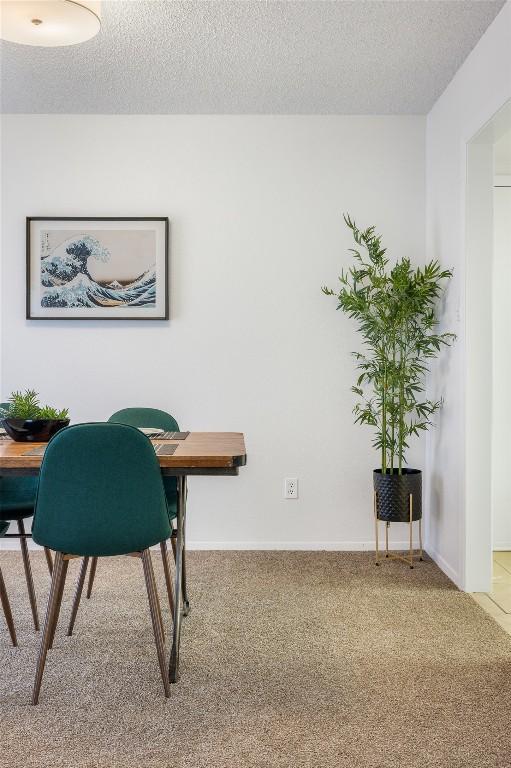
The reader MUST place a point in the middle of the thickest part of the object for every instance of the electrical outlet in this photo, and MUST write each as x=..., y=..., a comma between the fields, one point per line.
x=290, y=487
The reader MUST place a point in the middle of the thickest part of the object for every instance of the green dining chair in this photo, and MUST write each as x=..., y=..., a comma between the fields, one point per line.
x=149, y=417
x=17, y=500
x=100, y=495
x=4, y=599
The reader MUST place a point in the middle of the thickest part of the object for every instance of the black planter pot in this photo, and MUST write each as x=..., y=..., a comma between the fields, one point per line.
x=33, y=430
x=393, y=495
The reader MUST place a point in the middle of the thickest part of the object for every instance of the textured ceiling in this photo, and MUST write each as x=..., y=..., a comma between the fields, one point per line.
x=310, y=57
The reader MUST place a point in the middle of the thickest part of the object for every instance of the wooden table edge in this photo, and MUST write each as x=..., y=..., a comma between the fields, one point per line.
x=228, y=463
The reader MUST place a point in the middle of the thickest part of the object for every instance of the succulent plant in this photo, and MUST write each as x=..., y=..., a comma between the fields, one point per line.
x=25, y=405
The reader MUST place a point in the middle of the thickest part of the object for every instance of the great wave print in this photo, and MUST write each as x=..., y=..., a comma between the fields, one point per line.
x=98, y=269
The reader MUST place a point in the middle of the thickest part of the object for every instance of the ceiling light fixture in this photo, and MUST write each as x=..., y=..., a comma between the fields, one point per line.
x=49, y=22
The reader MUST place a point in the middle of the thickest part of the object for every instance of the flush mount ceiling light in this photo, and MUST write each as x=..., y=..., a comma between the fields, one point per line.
x=49, y=22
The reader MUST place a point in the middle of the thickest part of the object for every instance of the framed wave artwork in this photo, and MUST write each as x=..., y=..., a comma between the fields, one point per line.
x=97, y=268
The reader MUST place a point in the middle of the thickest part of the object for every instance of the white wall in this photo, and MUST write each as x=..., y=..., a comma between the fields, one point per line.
x=501, y=489
x=480, y=87
x=502, y=156
x=255, y=207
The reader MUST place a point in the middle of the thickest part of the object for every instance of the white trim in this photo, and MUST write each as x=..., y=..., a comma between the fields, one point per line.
x=478, y=383
x=304, y=546
x=478, y=363
x=502, y=547
x=14, y=545
x=446, y=568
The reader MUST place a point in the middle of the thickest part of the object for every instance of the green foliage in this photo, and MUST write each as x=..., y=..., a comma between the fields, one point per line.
x=25, y=405
x=47, y=412
x=395, y=310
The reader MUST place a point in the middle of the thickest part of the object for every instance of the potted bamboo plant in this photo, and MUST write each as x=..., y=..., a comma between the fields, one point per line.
x=395, y=311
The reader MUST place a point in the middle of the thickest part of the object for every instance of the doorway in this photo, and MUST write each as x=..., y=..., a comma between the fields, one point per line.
x=488, y=356
x=500, y=592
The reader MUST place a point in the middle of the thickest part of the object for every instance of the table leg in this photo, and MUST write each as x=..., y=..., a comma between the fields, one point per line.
x=178, y=597
x=186, y=601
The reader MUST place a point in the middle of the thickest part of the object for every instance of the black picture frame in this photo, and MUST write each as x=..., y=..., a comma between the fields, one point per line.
x=112, y=315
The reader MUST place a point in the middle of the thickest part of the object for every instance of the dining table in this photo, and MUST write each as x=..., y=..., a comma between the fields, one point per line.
x=179, y=455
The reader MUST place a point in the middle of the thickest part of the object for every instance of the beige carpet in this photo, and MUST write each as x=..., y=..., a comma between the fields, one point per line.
x=288, y=660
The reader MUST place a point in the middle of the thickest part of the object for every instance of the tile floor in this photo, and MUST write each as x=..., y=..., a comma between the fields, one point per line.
x=498, y=602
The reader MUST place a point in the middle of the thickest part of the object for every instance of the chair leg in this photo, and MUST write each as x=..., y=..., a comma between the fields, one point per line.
x=28, y=574
x=168, y=577
x=7, y=610
x=92, y=573
x=158, y=608
x=157, y=629
x=58, y=577
x=78, y=595
x=59, y=603
x=49, y=560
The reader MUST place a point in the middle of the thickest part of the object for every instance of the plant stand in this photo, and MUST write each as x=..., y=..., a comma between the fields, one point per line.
x=407, y=559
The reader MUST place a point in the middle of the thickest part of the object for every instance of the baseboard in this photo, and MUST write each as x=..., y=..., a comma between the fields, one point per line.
x=502, y=547
x=445, y=567
x=306, y=546
x=14, y=544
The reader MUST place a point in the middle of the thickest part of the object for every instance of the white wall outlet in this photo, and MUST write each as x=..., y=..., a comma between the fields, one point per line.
x=290, y=487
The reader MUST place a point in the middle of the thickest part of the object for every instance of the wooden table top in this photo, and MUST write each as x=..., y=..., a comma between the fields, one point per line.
x=200, y=453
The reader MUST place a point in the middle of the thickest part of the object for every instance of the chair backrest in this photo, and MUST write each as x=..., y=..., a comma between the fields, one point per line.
x=145, y=417
x=100, y=492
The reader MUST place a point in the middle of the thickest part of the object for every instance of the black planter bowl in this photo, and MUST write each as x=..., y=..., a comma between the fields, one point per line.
x=393, y=493
x=33, y=430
